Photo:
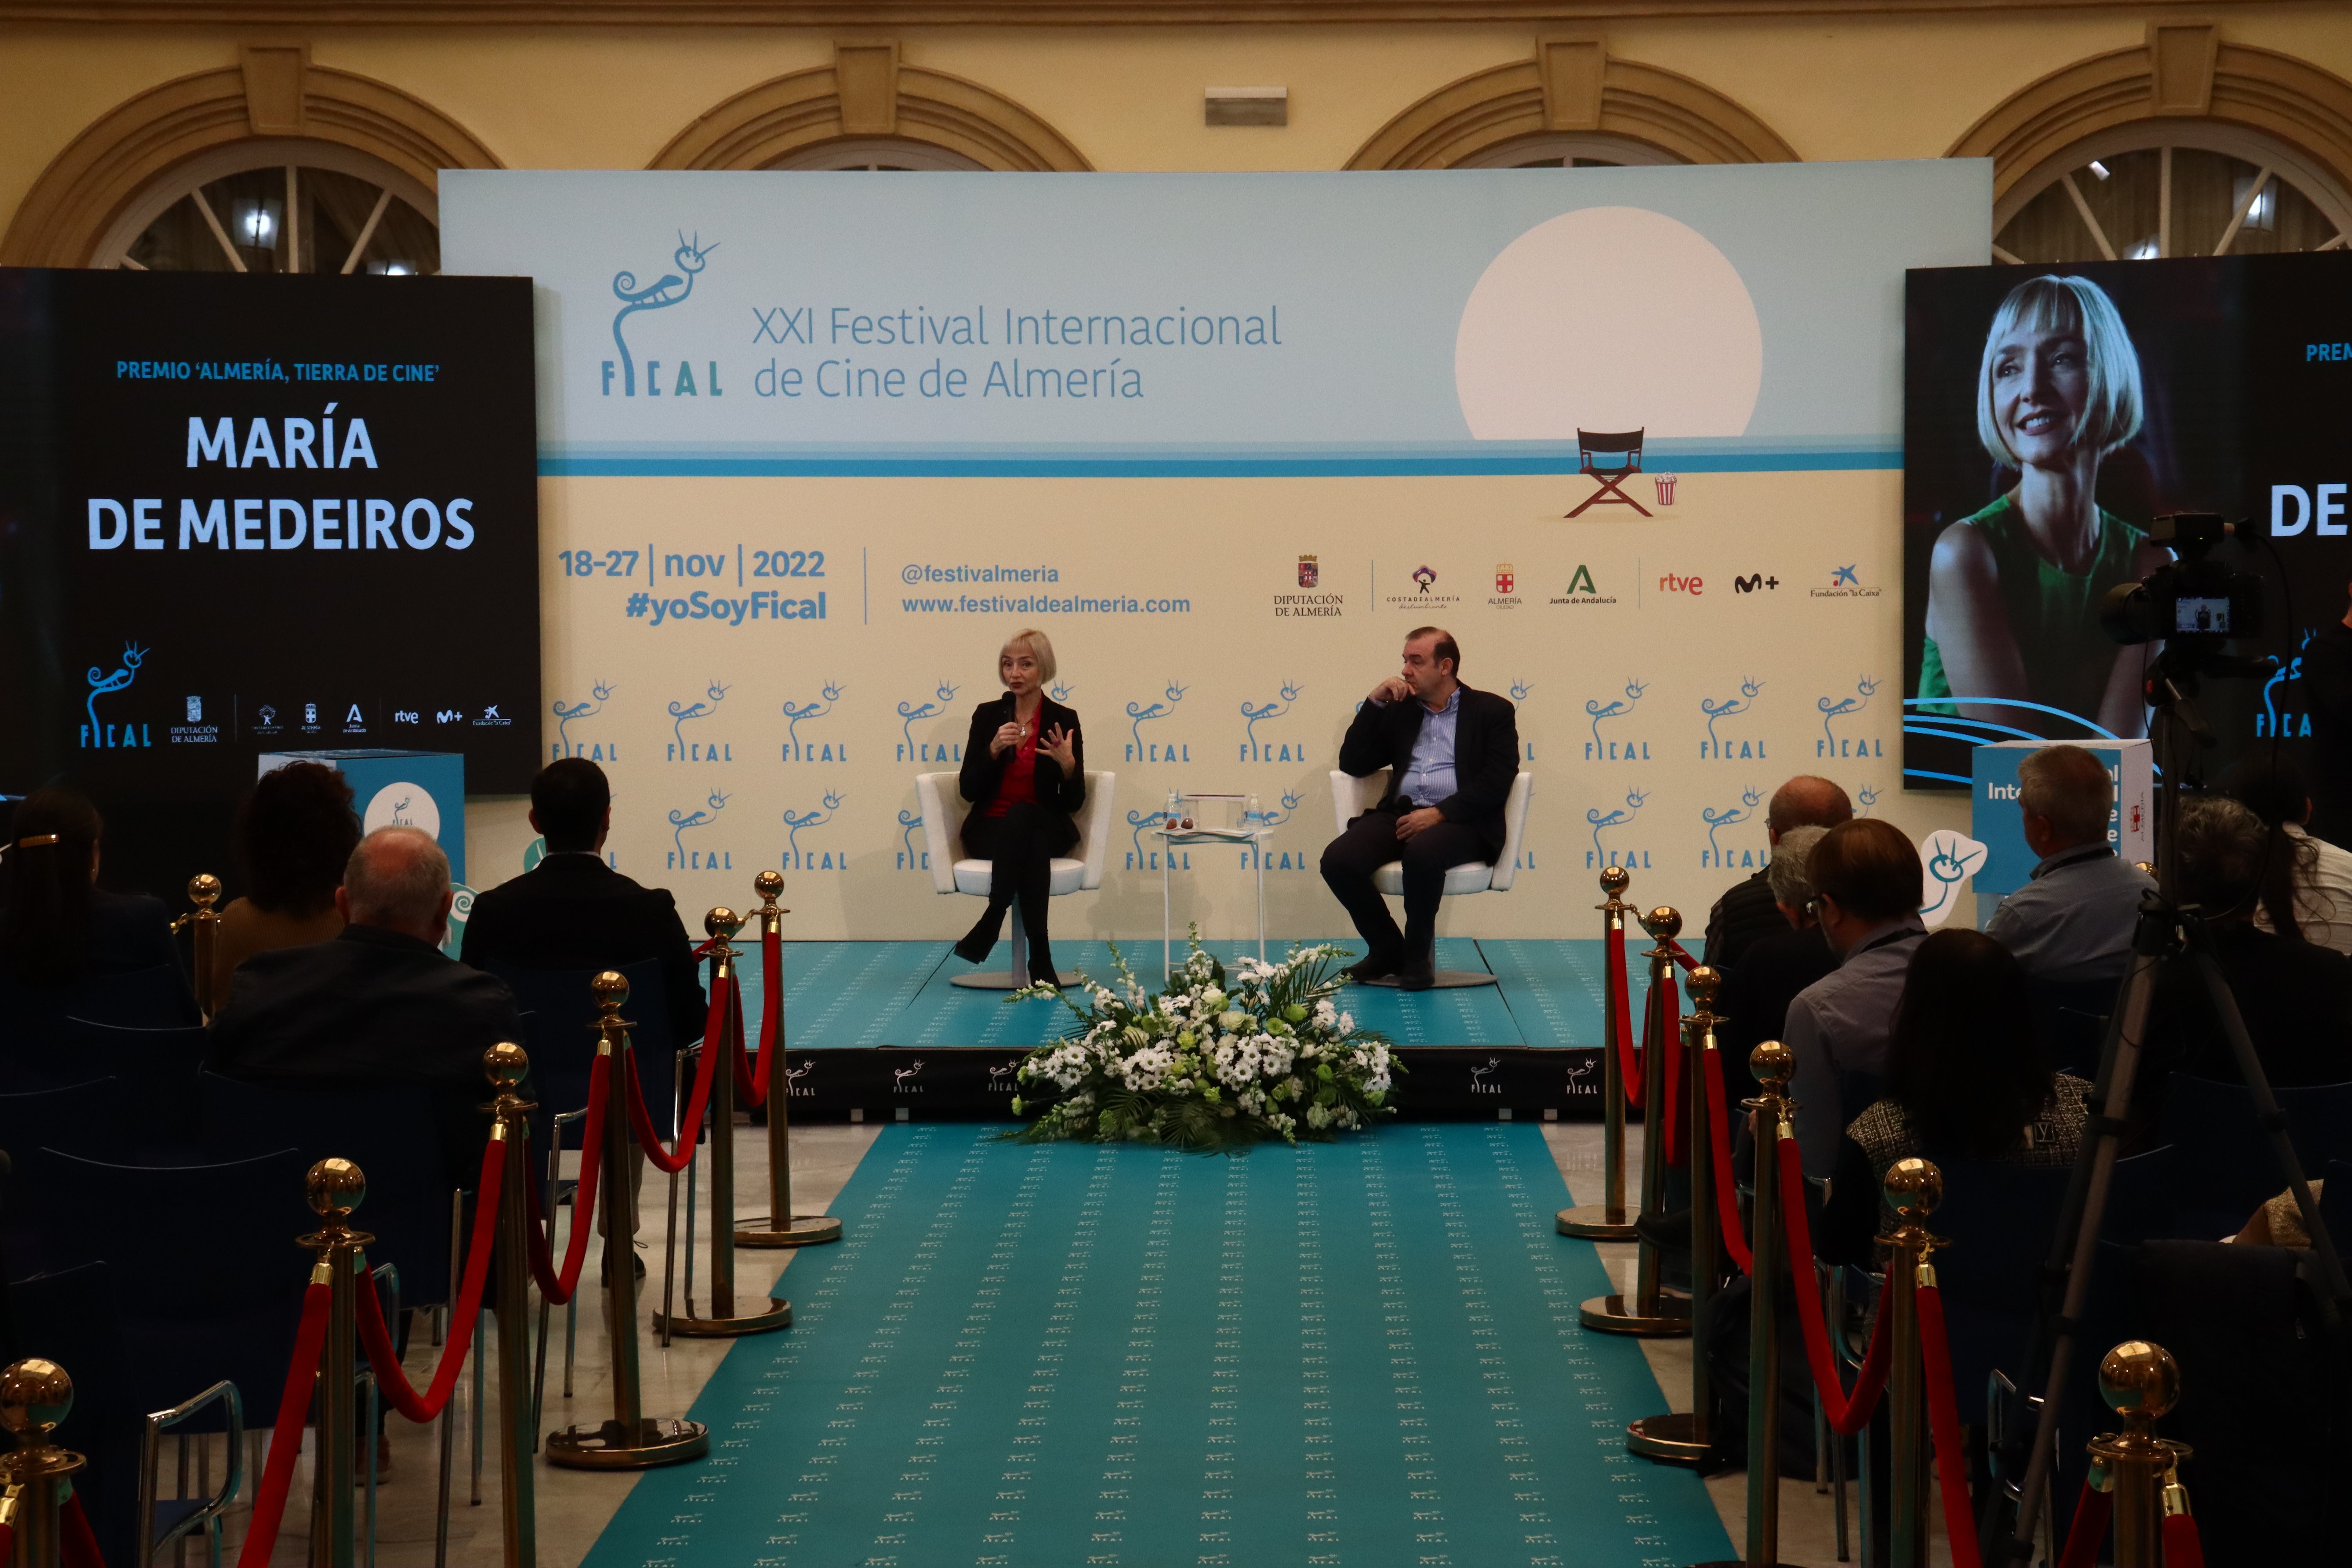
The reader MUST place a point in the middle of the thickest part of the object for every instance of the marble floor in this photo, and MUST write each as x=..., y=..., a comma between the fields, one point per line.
x=574, y=1506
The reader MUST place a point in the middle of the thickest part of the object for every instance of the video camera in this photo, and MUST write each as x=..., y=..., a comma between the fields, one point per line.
x=2193, y=597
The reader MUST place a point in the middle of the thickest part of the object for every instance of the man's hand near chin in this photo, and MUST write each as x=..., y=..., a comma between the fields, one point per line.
x=1414, y=821
x=1393, y=689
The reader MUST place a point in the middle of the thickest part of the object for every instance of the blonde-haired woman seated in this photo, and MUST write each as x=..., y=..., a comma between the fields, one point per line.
x=1025, y=774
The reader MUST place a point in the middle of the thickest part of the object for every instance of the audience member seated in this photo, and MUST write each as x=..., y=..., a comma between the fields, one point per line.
x=2296, y=999
x=574, y=912
x=1867, y=889
x=293, y=834
x=1754, y=1001
x=2072, y=923
x=2306, y=882
x=1745, y=914
x=2278, y=1222
x=58, y=926
x=380, y=1005
x=1965, y=1080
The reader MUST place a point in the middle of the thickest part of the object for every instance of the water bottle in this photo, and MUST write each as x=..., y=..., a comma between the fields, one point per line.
x=1251, y=815
x=1175, y=810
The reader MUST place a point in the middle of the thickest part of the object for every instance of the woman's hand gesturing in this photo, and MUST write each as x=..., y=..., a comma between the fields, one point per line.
x=1056, y=744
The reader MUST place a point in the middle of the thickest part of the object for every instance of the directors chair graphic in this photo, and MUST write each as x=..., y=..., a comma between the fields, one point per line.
x=1624, y=449
x=943, y=814
x=1352, y=797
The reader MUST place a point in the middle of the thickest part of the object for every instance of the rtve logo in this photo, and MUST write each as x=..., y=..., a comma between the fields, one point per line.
x=1671, y=583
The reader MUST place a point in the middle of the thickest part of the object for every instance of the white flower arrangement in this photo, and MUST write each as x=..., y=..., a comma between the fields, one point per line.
x=1213, y=1062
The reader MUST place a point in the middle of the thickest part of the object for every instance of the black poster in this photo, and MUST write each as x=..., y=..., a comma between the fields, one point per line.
x=242, y=515
x=2218, y=384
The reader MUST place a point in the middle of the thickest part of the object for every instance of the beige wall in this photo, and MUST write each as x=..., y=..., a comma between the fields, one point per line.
x=1834, y=87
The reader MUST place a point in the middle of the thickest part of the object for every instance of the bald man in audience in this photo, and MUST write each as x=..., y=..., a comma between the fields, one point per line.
x=379, y=1006
x=1748, y=912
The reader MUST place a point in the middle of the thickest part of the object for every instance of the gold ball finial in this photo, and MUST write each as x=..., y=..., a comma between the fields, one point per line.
x=2137, y=1378
x=1614, y=881
x=1773, y=1064
x=506, y=1064
x=721, y=921
x=610, y=990
x=203, y=890
x=335, y=1187
x=1664, y=923
x=769, y=885
x=1705, y=982
x=1914, y=1188
x=36, y=1396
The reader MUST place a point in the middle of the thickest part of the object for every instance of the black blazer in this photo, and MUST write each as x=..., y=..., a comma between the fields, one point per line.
x=984, y=775
x=574, y=912
x=372, y=1007
x=1485, y=756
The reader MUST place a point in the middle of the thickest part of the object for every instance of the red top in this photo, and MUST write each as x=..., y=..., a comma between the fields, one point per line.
x=1019, y=779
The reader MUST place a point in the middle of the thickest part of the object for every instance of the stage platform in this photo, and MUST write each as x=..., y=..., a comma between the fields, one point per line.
x=877, y=1030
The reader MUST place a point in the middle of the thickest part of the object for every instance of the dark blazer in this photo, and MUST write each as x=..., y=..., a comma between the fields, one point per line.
x=982, y=774
x=1485, y=756
x=574, y=912
x=130, y=932
x=372, y=1007
x=1745, y=915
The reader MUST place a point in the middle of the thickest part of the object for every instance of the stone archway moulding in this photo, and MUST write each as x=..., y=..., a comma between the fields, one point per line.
x=2183, y=72
x=1572, y=84
x=869, y=91
x=274, y=91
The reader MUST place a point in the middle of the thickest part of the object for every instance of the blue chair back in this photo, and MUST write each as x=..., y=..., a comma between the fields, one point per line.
x=156, y=1069
x=559, y=1018
x=79, y=1118
x=2228, y=1169
x=2000, y=1219
x=390, y=1133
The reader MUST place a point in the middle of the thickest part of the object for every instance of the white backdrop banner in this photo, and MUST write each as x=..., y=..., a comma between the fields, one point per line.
x=813, y=444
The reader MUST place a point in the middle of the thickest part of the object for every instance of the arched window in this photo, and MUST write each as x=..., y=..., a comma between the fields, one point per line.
x=887, y=154
x=1568, y=151
x=282, y=205
x=2141, y=190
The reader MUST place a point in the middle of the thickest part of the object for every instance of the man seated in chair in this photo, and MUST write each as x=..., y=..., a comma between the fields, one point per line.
x=1452, y=754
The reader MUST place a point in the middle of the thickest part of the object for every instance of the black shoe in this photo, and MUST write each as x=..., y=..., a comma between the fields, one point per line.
x=1668, y=1233
x=980, y=939
x=1370, y=967
x=1416, y=975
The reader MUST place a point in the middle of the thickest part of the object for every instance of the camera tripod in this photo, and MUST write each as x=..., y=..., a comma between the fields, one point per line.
x=2169, y=933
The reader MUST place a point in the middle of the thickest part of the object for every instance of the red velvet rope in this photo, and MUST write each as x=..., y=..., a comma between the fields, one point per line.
x=1847, y=1413
x=558, y=1288
x=1682, y=954
x=377, y=1337
x=1727, y=1193
x=1944, y=1423
x=1619, y=1024
x=2089, y=1531
x=1668, y=1019
x=750, y=1086
x=2183, y=1548
x=286, y=1432
x=690, y=1129
x=772, y=997
x=80, y=1543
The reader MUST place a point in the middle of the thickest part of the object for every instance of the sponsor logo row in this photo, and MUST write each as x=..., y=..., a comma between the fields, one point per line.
x=1431, y=590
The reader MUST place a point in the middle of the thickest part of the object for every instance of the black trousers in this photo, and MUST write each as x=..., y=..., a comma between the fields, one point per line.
x=1370, y=843
x=1021, y=847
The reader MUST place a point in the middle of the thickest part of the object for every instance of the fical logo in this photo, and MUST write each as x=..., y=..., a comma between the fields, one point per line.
x=1599, y=749
x=681, y=858
x=1142, y=751
x=1715, y=854
x=1715, y=747
x=799, y=859
x=913, y=751
x=1832, y=744
x=96, y=736
x=1256, y=751
x=565, y=714
x=691, y=255
x=682, y=750
x=816, y=707
x=1601, y=855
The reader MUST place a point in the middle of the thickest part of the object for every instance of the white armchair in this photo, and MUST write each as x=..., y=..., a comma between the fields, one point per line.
x=943, y=814
x=1352, y=797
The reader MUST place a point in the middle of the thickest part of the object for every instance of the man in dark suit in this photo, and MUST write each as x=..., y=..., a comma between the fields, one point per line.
x=1748, y=912
x=380, y=1005
x=1452, y=754
x=574, y=912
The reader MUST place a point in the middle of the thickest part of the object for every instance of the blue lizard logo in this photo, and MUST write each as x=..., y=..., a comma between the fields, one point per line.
x=691, y=255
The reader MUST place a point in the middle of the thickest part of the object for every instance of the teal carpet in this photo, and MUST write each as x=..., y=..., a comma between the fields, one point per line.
x=1364, y=1354
x=860, y=994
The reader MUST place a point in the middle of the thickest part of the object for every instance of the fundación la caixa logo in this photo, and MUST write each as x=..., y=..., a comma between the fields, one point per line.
x=670, y=288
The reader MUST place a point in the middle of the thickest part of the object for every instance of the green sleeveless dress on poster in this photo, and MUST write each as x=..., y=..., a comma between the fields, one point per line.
x=2053, y=615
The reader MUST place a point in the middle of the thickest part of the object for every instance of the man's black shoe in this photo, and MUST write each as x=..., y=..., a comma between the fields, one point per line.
x=1370, y=967
x=1669, y=1231
x=1416, y=975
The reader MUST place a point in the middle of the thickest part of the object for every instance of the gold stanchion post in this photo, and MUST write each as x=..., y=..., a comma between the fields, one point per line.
x=506, y=1065
x=780, y=1227
x=36, y=1396
x=1650, y=1314
x=723, y=1322
x=203, y=891
x=1607, y=1220
x=2141, y=1382
x=335, y=1188
x=630, y=1440
x=1679, y=1438
x=1914, y=1188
